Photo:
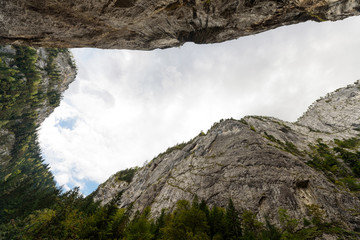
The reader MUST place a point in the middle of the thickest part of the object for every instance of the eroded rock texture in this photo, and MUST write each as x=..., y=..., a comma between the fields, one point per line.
x=261, y=163
x=149, y=24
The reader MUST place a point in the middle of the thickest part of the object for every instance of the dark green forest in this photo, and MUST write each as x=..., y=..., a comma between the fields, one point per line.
x=74, y=217
x=26, y=184
x=33, y=207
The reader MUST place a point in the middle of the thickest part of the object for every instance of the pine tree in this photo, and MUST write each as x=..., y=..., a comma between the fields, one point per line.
x=232, y=222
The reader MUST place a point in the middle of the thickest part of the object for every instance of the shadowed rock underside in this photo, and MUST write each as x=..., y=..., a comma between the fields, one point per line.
x=150, y=24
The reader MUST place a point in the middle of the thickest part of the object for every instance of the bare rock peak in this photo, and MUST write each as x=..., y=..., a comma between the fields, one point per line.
x=338, y=111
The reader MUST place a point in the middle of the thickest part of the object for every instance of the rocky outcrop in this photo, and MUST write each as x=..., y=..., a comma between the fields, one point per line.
x=338, y=112
x=261, y=163
x=31, y=85
x=57, y=70
x=65, y=67
x=149, y=24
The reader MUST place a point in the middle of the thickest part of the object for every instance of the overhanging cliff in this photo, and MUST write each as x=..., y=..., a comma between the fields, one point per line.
x=150, y=24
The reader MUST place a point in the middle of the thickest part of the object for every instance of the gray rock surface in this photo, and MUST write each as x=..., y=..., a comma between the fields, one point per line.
x=65, y=65
x=250, y=161
x=149, y=24
x=337, y=112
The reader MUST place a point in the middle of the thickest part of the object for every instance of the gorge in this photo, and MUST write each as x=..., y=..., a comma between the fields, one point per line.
x=309, y=167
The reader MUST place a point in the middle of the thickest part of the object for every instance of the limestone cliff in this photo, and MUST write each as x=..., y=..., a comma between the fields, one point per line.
x=262, y=164
x=149, y=24
x=56, y=71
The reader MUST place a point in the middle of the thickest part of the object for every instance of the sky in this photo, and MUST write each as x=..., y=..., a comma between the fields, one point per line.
x=125, y=107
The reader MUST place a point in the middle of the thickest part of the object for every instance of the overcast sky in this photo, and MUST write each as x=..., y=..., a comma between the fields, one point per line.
x=126, y=107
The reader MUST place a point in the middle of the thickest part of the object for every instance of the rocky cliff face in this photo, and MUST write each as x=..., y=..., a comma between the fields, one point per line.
x=261, y=163
x=149, y=24
x=338, y=112
x=56, y=70
x=31, y=84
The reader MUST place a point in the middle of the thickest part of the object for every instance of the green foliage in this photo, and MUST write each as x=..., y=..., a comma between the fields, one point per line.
x=140, y=227
x=243, y=121
x=178, y=146
x=340, y=164
x=251, y=227
x=159, y=224
x=351, y=143
x=306, y=222
x=287, y=146
x=287, y=223
x=271, y=232
x=126, y=175
x=26, y=184
x=352, y=183
x=350, y=158
x=201, y=134
x=19, y=84
x=117, y=224
x=291, y=148
x=217, y=223
x=317, y=213
x=323, y=159
x=54, y=98
x=75, y=217
x=232, y=222
x=272, y=138
x=187, y=222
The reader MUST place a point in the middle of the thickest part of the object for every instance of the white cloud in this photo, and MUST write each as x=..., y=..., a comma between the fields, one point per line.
x=128, y=106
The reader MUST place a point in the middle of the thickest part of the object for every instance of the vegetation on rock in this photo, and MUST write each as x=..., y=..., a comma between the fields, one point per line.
x=126, y=175
x=26, y=184
x=25, y=181
x=341, y=164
